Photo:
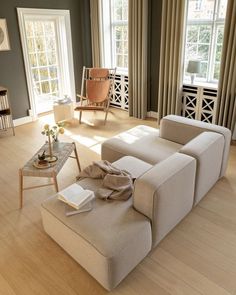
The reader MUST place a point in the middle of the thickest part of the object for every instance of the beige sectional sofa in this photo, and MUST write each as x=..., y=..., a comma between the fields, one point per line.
x=174, y=167
x=209, y=144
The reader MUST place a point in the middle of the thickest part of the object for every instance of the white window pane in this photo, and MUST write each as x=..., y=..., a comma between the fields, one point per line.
x=49, y=28
x=35, y=73
x=29, y=28
x=51, y=43
x=201, y=9
x=192, y=34
x=125, y=10
x=37, y=88
x=118, y=33
x=53, y=72
x=117, y=4
x=40, y=44
x=204, y=68
x=45, y=87
x=33, y=60
x=119, y=60
x=44, y=73
x=125, y=49
x=52, y=59
x=30, y=44
x=125, y=61
x=205, y=34
x=220, y=34
x=191, y=51
x=38, y=29
x=203, y=52
x=119, y=47
x=222, y=8
x=217, y=71
x=54, y=85
x=42, y=59
x=218, y=53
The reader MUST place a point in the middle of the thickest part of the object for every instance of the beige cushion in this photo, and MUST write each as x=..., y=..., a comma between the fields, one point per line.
x=142, y=142
x=181, y=130
x=108, y=241
x=207, y=148
x=165, y=193
x=133, y=165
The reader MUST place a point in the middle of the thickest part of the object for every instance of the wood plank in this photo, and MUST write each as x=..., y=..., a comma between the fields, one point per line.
x=190, y=276
x=197, y=257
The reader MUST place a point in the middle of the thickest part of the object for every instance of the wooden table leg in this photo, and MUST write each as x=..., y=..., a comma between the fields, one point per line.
x=76, y=157
x=55, y=182
x=21, y=187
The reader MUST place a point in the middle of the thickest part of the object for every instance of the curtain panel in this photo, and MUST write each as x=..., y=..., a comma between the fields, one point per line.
x=138, y=51
x=171, y=58
x=96, y=26
x=226, y=108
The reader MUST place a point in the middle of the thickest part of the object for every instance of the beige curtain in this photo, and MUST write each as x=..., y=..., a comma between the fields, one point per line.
x=226, y=110
x=138, y=47
x=171, y=57
x=96, y=27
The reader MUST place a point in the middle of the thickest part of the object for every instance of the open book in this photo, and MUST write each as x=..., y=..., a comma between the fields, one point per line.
x=75, y=196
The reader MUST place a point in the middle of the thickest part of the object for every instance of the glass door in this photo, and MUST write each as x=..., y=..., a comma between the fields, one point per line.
x=44, y=62
x=47, y=49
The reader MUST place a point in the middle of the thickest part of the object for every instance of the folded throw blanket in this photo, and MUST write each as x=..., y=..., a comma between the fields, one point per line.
x=117, y=184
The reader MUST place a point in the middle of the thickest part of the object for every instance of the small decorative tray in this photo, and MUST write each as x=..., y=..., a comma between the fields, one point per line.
x=43, y=165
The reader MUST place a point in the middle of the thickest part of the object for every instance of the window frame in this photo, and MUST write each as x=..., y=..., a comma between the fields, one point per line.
x=215, y=23
x=108, y=36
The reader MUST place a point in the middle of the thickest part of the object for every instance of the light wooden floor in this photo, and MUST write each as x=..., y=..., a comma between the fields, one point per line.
x=197, y=257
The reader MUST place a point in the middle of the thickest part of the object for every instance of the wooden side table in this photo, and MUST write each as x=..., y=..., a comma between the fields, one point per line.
x=63, y=151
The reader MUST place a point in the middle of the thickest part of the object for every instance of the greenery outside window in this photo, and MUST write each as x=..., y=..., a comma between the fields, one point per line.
x=204, y=37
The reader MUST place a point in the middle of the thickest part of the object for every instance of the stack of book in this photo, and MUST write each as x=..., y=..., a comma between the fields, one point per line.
x=78, y=199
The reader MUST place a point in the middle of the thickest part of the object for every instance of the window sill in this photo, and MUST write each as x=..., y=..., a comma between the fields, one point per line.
x=202, y=84
x=120, y=72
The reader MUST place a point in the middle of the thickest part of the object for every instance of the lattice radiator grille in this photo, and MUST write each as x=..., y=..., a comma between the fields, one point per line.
x=199, y=103
x=120, y=94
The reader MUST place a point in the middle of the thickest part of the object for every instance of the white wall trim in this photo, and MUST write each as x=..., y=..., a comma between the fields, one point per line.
x=23, y=120
x=152, y=114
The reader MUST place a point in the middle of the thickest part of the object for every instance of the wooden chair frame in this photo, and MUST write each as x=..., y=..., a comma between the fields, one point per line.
x=85, y=104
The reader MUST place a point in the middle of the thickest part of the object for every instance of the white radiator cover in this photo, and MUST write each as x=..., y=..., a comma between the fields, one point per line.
x=120, y=93
x=199, y=103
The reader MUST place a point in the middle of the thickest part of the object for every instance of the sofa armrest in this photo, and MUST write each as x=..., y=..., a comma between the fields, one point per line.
x=181, y=130
x=207, y=148
x=165, y=193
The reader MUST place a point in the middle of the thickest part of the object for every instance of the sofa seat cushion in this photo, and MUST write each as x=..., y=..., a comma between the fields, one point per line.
x=108, y=241
x=142, y=142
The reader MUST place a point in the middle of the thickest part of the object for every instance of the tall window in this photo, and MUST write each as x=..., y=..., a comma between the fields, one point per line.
x=115, y=33
x=204, y=36
x=119, y=28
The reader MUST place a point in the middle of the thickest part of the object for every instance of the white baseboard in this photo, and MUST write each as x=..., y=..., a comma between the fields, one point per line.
x=152, y=114
x=21, y=121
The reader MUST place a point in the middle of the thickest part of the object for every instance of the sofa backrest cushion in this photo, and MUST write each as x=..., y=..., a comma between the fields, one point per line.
x=181, y=130
x=207, y=148
x=165, y=193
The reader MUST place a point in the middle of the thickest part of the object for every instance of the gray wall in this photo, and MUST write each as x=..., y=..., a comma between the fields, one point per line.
x=12, y=72
x=155, y=7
